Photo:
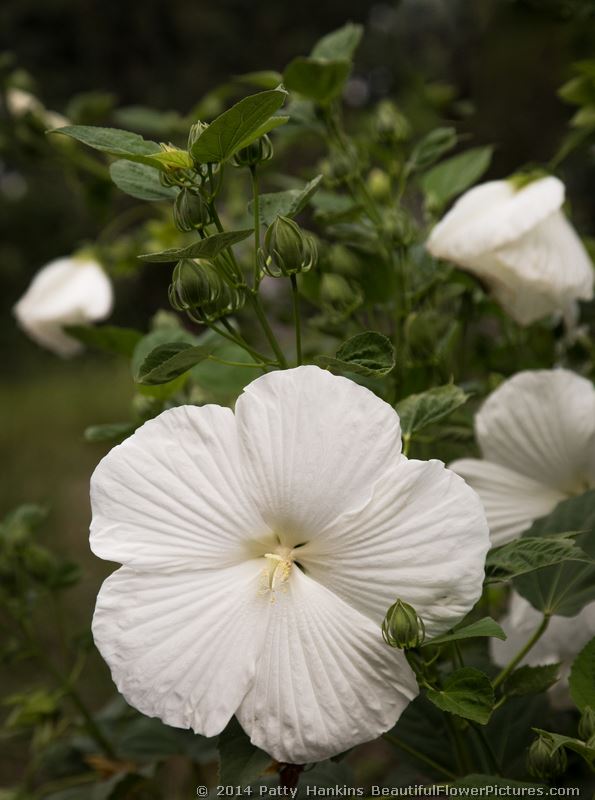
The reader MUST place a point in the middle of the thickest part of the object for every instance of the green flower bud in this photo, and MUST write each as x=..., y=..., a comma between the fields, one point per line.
x=338, y=168
x=339, y=297
x=191, y=211
x=402, y=627
x=200, y=290
x=196, y=132
x=398, y=225
x=545, y=763
x=586, y=725
x=390, y=125
x=378, y=183
x=287, y=249
x=254, y=153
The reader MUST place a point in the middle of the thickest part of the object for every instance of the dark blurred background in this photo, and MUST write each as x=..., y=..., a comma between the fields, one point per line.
x=492, y=67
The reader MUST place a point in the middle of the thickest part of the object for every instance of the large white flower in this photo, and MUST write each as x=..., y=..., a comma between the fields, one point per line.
x=67, y=291
x=563, y=639
x=520, y=243
x=536, y=433
x=261, y=551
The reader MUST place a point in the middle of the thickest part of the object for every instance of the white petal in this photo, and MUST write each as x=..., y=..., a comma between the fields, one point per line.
x=67, y=291
x=325, y=681
x=541, y=272
x=511, y=501
x=171, y=495
x=541, y=424
x=492, y=215
x=562, y=641
x=182, y=646
x=313, y=445
x=423, y=537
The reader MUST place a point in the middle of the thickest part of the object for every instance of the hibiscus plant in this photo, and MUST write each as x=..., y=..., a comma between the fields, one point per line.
x=308, y=596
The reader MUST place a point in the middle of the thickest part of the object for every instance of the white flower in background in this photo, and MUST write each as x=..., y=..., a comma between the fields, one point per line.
x=67, y=291
x=562, y=641
x=261, y=551
x=19, y=102
x=521, y=244
x=536, y=433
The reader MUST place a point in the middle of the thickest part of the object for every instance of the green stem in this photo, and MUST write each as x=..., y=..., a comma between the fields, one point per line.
x=488, y=750
x=522, y=652
x=232, y=336
x=256, y=364
x=406, y=748
x=268, y=331
x=296, y=317
x=463, y=759
x=256, y=209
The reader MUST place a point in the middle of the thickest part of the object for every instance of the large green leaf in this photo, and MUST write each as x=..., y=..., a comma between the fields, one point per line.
x=109, y=432
x=530, y=553
x=582, y=677
x=454, y=175
x=531, y=680
x=318, y=79
x=420, y=410
x=238, y=126
x=140, y=181
x=127, y=145
x=565, y=588
x=368, y=353
x=240, y=762
x=168, y=361
x=146, y=345
x=482, y=627
x=109, y=338
x=468, y=693
x=205, y=248
x=287, y=203
x=341, y=43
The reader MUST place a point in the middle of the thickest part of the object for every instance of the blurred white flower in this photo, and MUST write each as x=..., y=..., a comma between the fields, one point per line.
x=19, y=102
x=536, y=433
x=520, y=243
x=261, y=551
x=67, y=291
x=562, y=641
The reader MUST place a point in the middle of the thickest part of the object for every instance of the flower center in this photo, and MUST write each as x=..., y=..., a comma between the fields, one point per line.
x=278, y=569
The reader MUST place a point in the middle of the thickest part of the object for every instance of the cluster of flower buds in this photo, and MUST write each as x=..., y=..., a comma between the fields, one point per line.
x=287, y=249
x=191, y=211
x=199, y=289
x=390, y=125
x=254, y=153
x=403, y=627
x=544, y=761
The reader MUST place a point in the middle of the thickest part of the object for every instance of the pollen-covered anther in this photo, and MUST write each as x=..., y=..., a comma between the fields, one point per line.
x=277, y=571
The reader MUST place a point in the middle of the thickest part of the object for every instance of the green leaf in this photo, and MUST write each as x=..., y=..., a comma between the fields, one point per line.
x=432, y=147
x=237, y=127
x=586, y=751
x=582, y=677
x=109, y=432
x=564, y=588
x=240, y=762
x=146, y=345
x=109, y=338
x=318, y=79
x=140, y=181
x=483, y=627
x=453, y=176
x=530, y=553
x=420, y=410
x=531, y=680
x=285, y=204
x=341, y=43
x=368, y=353
x=205, y=248
x=468, y=693
x=168, y=361
x=127, y=145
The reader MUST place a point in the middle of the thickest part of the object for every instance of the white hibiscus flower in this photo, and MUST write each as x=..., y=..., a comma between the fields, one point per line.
x=520, y=243
x=563, y=639
x=536, y=433
x=261, y=551
x=67, y=291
